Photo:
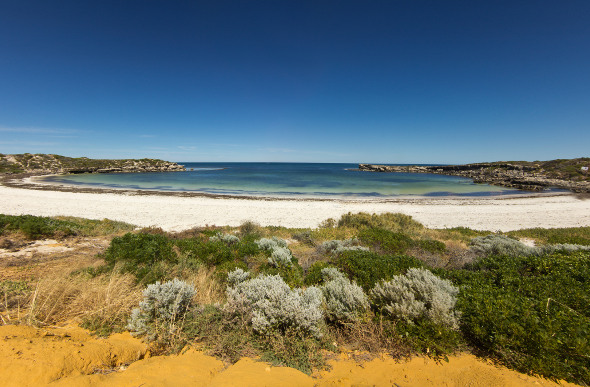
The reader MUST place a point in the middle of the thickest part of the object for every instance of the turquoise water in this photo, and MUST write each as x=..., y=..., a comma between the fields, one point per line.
x=289, y=180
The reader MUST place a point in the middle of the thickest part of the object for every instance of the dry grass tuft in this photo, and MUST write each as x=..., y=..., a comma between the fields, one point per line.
x=60, y=297
x=371, y=337
x=207, y=286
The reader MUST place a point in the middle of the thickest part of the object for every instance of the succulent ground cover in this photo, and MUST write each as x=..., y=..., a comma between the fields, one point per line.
x=371, y=282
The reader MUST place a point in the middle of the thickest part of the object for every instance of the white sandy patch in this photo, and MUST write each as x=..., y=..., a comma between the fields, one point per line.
x=178, y=213
x=528, y=242
x=46, y=246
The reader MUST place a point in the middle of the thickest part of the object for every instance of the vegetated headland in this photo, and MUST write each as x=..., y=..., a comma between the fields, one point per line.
x=28, y=163
x=571, y=174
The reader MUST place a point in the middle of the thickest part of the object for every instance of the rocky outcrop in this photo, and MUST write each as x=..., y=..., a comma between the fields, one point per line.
x=519, y=176
x=46, y=164
x=163, y=166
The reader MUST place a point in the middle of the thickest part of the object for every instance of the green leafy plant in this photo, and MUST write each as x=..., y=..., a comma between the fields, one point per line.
x=368, y=268
x=387, y=241
x=532, y=313
x=143, y=255
x=388, y=221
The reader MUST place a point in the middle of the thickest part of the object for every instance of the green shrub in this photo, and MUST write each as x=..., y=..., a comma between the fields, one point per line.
x=216, y=252
x=571, y=235
x=328, y=223
x=431, y=245
x=368, y=268
x=211, y=253
x=35, y=227
x=388, y=221
x=292, y=275
x=387, y=241
x=247, y=247
x=250, y=228
x=222, y=271
x=314, y=273
x=532, y=313
x=93, y=227
x=468, y=232
x=305, y=237
x=144, y=255
x=429, y=338
x=292, y=349
x=396, y=243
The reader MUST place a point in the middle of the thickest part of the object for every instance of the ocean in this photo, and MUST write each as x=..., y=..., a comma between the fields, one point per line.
x=293, y=180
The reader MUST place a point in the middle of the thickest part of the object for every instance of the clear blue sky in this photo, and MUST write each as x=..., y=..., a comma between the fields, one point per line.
x=393, y=81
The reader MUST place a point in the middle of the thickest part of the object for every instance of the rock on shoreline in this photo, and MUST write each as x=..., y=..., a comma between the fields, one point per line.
x=527, y=176
x=56, y=164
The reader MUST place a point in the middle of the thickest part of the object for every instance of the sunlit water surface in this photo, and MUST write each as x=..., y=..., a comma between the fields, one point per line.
x=289, y=180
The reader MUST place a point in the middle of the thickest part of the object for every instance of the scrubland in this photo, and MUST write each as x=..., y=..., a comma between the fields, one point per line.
x=367, y=284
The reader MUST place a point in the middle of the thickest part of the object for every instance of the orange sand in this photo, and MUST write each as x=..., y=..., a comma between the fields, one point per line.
x=71, y=357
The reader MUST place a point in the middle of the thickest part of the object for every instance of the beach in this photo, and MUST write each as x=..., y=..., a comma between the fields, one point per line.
x=179, y=212
x=71, y=356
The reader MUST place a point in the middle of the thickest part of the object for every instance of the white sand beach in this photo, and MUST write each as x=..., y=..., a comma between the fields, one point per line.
x=175, y=213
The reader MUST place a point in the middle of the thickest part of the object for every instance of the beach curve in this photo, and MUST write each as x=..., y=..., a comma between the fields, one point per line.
x=179, y=212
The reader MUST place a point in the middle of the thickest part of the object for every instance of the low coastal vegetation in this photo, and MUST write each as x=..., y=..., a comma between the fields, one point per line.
x=35, y=227
x=372, y=283
x=50, y=163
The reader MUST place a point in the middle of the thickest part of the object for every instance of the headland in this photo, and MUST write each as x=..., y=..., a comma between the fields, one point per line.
x=571, y=174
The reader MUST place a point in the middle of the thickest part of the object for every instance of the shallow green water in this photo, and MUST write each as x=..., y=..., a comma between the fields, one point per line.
x=291, y=180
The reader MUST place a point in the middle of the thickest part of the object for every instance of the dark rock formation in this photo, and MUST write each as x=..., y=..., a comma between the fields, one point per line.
x=529, y=176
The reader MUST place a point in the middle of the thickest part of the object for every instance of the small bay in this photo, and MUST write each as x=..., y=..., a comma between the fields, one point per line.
x=294, y=180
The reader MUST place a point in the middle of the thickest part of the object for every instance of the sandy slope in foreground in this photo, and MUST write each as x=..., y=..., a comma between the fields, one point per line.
x=175, y=213
x=71, y=357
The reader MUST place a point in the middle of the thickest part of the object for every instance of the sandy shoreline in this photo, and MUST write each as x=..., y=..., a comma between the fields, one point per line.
x=177, y=212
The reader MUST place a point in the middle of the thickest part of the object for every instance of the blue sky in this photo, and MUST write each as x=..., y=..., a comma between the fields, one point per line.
x=311, y=81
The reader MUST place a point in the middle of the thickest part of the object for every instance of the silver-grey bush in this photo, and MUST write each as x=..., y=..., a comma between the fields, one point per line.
x=226, y=238
x=418, y=294
x=502, y=245
x=271, y=304
x=236, y=276
x=344, y=300
x=163, y=304
x=271, y=243
x=280, y=254
x=338, y=246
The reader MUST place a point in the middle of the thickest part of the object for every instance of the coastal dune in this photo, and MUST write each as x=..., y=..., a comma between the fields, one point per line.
x=175, y=213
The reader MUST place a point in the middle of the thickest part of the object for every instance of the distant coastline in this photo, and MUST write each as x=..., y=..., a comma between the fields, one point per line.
x=45, y=164
x=570, y=174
